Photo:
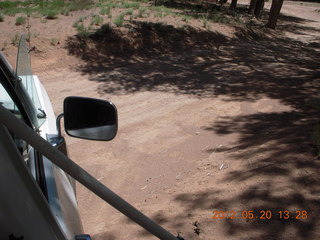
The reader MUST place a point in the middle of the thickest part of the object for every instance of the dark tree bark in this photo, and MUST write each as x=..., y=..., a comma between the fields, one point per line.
x=259, y=8
x=274, y=13
x=233, y=4
x=252, y=6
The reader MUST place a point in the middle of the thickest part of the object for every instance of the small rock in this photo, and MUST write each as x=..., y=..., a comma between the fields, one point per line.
x=223, y=166
x=197, y=230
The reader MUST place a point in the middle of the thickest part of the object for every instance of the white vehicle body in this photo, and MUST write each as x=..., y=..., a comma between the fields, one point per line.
x=57, y=187
x=25, y=213
x=60, y=186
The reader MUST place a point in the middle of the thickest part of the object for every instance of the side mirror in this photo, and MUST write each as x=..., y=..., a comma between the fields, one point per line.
x=90, y=118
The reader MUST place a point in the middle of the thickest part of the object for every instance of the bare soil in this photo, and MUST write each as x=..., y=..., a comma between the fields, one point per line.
x=215, y=120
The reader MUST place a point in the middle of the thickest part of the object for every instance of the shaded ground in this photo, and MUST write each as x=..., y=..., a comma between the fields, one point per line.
x=209, y=121
x=254, y=114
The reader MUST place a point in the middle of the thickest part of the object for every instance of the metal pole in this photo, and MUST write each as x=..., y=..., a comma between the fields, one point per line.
x=20, y=129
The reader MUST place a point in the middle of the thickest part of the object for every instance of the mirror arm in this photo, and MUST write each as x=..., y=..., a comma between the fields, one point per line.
x=58, y=123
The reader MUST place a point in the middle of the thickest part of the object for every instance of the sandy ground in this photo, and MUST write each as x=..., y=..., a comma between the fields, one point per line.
x=201, y=131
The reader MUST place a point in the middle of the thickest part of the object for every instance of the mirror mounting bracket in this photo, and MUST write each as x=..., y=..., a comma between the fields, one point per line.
x=58, y=124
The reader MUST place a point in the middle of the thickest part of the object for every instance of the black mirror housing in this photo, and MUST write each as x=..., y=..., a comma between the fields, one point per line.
x=90, y=118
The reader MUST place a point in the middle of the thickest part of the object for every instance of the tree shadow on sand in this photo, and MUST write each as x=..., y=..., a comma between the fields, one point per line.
x=285, y=176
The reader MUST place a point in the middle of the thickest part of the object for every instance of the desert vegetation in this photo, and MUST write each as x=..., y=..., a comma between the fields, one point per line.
x=118, y=12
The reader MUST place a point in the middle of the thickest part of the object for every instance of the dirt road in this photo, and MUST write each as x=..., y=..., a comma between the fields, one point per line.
x=203, y=131
x=211, y=140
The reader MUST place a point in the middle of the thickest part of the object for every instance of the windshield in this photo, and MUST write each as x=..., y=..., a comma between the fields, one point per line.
x=24, y=72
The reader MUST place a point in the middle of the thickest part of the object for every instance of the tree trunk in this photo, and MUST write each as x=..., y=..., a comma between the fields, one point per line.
x=259, y=8
x=252, y=6
x=233, y=4
x=274, y=13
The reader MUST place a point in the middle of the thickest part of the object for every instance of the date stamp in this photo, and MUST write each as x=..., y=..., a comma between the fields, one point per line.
x=260, y=214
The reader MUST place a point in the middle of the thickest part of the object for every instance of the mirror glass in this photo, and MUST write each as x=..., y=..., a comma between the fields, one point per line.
x=90, y=118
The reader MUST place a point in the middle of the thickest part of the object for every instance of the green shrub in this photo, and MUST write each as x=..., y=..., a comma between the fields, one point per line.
x=205, y=22
x=104, y=29
x=118, y=21
x=130, y=5
x=82, y=31
x=79, y=22
x=48, y=8
x=129, y=11
x=81, y=5
x=111, y=5
x=15, y=39
x=54, y=41
x=217, y=17
x=185, y=18
x=10, y=12
x=51, y=14
x=96, y=20
x=20, y=20
x=105, y=11
x=65, y=11
x=141, y=11
x=81, y=19
x=75, y=24
x=162, y=11
x=9, y=4
x=1, y=17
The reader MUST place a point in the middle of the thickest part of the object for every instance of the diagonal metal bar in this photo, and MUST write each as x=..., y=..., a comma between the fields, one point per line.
x=21, y=130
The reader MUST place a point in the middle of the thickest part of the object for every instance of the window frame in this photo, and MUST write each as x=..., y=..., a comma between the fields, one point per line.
x=7, y=77
x=15, y=88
